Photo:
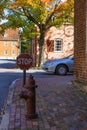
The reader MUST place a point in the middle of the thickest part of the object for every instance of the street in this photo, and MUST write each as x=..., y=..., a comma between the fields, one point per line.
x=6, y=79
x=7, y=76
x=57, y=100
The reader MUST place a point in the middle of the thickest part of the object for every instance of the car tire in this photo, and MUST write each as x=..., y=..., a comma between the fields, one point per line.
x=61, y=70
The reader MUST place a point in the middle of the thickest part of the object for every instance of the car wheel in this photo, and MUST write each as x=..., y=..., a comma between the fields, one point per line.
x=61, y=70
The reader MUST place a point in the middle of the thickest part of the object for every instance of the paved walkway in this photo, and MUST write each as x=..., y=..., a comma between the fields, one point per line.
x=58, y=104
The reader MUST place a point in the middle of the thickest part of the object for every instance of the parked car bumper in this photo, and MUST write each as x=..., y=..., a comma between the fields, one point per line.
x=48, y=68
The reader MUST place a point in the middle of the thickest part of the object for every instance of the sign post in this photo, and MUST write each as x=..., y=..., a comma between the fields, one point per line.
x=24, y=77
x=24, y=62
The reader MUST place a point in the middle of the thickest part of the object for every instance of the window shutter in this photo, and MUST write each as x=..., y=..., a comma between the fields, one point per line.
x=50, y=45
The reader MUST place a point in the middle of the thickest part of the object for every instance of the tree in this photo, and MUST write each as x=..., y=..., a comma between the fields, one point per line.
x=26, y=35
x=42, y=13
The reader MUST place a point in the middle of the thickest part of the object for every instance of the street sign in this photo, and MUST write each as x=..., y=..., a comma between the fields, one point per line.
x=24, y=61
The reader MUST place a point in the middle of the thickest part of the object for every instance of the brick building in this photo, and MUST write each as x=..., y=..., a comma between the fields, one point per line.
x=59, y=43
x=9, y=44
x=80, y=43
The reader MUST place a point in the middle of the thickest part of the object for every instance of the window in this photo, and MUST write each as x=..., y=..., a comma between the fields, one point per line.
x=6, y=43
x=13, y=43
x=13, y=52
x=6, y=52
x=58, y=45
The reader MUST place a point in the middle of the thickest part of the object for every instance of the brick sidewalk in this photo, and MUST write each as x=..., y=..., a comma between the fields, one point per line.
x=58, y=107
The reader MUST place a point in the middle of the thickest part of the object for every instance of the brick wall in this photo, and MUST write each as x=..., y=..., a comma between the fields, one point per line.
x=66, y=34
x=80, y=73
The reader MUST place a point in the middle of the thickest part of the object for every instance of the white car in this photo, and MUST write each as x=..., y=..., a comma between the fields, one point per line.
x=59, y=66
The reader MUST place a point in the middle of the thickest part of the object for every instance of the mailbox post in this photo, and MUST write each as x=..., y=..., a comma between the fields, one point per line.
x=24, y=62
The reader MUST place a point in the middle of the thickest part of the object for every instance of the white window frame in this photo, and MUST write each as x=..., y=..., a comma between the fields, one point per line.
x=13, y=52
x=6, y=43
x=6, y=52
x=58, y=45
x=13, y=43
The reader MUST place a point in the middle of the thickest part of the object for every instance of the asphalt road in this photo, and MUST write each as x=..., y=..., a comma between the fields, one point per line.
x=6, y=79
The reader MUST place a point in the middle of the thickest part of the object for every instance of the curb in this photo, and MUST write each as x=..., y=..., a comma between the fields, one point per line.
x=5, y=119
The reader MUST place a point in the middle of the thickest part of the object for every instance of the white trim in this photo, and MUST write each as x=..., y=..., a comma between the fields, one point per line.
x=55, y=42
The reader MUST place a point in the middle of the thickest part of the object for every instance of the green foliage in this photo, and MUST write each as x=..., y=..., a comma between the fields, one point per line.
x=28, y=14
x=25, y=47
x=39, y=12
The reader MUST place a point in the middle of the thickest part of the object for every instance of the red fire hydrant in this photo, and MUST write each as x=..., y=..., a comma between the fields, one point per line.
x=30, y=96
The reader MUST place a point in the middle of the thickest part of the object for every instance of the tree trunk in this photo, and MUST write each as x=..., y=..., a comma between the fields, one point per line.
x=41, y=46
